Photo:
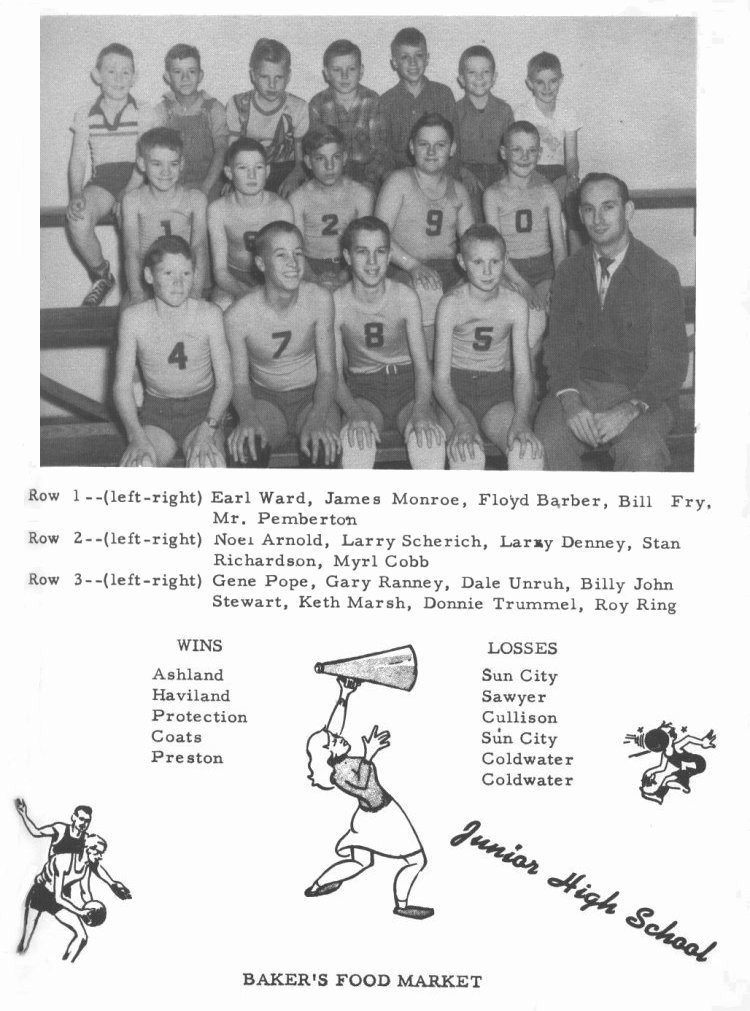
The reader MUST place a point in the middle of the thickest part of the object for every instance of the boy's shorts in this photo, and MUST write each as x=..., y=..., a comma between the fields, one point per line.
x=277, y=173
x=389, y=389
x=330, y=273
x=291, y=403
x=113, y=177
x=480, y=391
x=551, y=172
x=535, y=269
x=177, y=416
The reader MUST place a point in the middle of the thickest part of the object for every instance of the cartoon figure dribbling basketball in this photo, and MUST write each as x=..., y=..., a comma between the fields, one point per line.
x=676, y=767
x=379, y=826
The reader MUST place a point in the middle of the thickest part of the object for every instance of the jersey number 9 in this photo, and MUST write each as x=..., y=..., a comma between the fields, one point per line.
x=434, y=222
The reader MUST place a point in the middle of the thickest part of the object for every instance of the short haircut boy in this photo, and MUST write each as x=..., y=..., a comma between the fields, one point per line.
x=481, y=52
x=432, y=119
x=244, y=144
x=165, y=245
x=520, y=126
x=481, y=233
x=369, y=223
x=341, y=47
x=270, y=51
x=182, y=51
x=543, y=61
x=114, y=49
x=265, y=236
x=318, y=138
x=159, y=136
x=408, y=37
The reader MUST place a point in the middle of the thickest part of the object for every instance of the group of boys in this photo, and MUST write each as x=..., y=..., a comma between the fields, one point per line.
x=327, y=208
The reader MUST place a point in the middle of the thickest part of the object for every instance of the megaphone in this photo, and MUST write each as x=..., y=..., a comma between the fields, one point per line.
x=394, y=668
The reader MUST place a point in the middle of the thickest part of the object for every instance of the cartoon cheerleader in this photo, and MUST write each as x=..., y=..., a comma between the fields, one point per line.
x=379, y=825
x=676, y=767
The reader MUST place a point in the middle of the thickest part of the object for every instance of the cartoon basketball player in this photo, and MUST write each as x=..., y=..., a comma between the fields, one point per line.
x=676, y=765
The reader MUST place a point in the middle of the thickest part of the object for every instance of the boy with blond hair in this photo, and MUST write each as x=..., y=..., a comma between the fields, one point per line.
x=270, y=114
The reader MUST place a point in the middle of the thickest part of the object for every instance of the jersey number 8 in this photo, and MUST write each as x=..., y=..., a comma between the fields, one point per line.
x=373, y=335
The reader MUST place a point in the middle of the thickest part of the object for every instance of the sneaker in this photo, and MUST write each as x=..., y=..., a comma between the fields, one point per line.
x=99, y=291
x=414, y=912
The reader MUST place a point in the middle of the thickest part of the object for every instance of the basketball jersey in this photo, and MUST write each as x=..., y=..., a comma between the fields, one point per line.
x=523, y=218
x=374, y=335
x=281, y=346
x=156, y=221
x=428, y=229
x=242, y=226
x=68, y=843
x=175, y=359
x=481, y=341
x=326, y=214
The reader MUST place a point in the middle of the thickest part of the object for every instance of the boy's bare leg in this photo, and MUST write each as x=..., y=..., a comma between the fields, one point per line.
x=163, y=443
x=30, y=920
x=99, y=203
x=495, y=425
x=80, y=937
x=422, y=457
x=354, y=457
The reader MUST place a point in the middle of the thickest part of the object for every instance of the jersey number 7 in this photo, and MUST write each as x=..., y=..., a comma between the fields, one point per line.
x=284, y=336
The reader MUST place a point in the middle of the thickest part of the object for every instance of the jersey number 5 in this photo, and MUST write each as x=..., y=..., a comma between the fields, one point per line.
x=332, y=221
x=523, y=221
x=373, y=335
x=284, y=336
x=434, y=222
x=177, y=355
x=482, y=338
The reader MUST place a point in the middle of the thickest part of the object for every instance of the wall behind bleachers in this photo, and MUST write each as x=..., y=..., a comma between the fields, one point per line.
x=632, y=81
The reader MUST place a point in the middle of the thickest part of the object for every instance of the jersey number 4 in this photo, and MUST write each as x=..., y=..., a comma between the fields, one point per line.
x=434, y=222
x=482, y=338
x=177, y=356
x=523, y=221
x=284, y=336
x=373, y=335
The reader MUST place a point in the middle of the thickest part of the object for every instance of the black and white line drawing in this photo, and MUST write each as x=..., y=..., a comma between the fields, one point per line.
x=379, y=825
x=677, y=766
x=74, y=855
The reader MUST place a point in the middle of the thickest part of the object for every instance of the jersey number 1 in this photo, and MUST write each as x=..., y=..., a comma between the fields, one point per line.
x=177, y=356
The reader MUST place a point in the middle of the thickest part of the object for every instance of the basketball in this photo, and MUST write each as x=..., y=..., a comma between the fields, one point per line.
x=96, y=913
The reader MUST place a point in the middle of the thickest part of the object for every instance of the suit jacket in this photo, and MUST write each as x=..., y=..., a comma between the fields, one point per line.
x=637, y=339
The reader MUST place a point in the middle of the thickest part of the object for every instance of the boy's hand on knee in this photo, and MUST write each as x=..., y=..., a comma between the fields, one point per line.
x=140, y=453
x=520, y=432
x=317, y=437
x=425, y=276
x=244, y=435
x=202, y=450
x=464, y=443
x=76, y=208
x=425, y=429
x=360, y=432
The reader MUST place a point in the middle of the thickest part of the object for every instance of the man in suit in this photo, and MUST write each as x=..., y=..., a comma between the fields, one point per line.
x=616, y=353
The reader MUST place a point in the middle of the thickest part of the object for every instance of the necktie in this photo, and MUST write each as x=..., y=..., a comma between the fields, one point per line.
x=605, y=263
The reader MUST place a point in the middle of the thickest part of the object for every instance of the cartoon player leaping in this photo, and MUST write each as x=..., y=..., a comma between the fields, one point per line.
x=379, y=825
x=676, y=765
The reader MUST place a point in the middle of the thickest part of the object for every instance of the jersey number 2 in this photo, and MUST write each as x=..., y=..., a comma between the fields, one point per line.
x=434, y=222
x=177, y=355
x=332, y=221
x=373, y=335
x=482, y=338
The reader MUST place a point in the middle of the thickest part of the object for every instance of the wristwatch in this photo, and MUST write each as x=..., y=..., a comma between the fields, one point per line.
x=213, y=423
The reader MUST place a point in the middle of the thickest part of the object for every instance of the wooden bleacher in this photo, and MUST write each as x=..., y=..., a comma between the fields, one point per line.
x=92, y=437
